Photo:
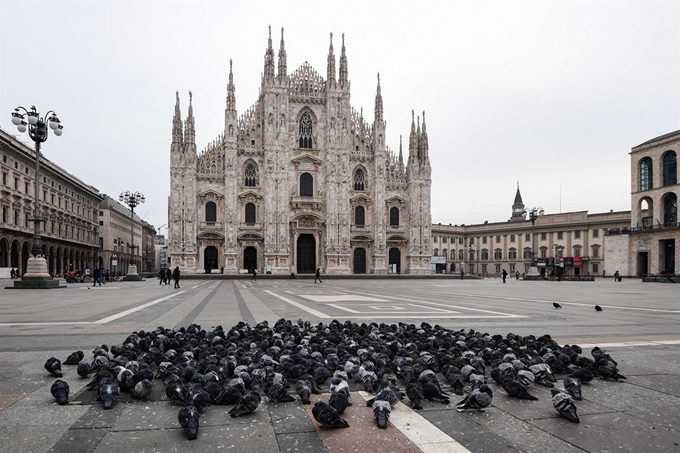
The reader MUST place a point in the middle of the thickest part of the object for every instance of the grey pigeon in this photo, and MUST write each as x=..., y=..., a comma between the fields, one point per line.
x=176, y=392
x=414, y=391
x=60, y=391
x=340, y=401
x=83, y=370
x=74, y=358
x=607, y=369
x=525, y=377
x=109, y=392
x=230, y=395
x=564, y=405
x=387, y=394
x=381, y=412
x=246, y=405
x=188, y=419
x=584, y=375
x=573, y=386
x=278, y=394
x=478, y=399
x=142, y=389
x=517, y=390
x=53, y=366
x=302, y=388
x=328, y=416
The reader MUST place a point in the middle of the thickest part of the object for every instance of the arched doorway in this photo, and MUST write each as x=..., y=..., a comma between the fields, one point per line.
x=250, y=258
x=210, y=258
x=360, y=261
x=306, y=254
x=395, y=258
x=14, y=254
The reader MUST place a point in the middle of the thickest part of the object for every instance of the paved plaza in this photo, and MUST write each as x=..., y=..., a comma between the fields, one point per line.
x=638, y=326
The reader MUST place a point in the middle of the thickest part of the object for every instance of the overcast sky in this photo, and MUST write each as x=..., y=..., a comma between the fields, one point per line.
x=545, y=93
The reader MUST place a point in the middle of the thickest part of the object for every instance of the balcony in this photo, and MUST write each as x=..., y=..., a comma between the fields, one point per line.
x=210, y=225
x=643, y=228
x=298, y=202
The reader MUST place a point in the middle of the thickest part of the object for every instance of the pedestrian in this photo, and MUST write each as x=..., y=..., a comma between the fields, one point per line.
x=168, y=276
x=552, y=275
x=175, y=275
x=13, y=274
x=516, y=275
x=95, y=277
x=107, y=276
x=616, y=276
x=102, y=276
x=254, y=275
x=462, y=273
x=504, y=274
x=317, y=276
x=161, y=276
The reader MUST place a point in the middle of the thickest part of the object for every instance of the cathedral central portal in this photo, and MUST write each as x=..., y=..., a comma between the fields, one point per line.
x=306, y=254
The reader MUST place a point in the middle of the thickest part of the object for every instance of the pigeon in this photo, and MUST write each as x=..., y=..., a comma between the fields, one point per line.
x=573, y=387
x=246, y=405
x=583, y=374
x=277, y=393
x=142, y=389
x=414, y=391
x=598, y=308
x=432, y=390
x=188, y=419
x=60, y=391
x=83, y=370
x=328, y=416
x=478, y=399
x=387, y=394
x=109, y=391
x=302, y=388
x=564, y=405
x=53, y=366
x=525, y=377
x=197, y=397
x=381, y=412
x=340, y=401
x=607, y=369
x=556, y=305
x=74, y=358
x=176, y=392
x=598, y=354
x=230, y=395
x=543, y=374
x=517, y=390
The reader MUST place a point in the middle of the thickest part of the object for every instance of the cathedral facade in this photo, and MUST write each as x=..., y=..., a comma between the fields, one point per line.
x=299, y=181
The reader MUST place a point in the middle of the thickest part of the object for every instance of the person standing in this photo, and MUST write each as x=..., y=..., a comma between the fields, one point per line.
x=175, y=275
x=462, y=273
x=168, y=276
x=516, y=275
x=317, y=276
x=504, y=274
x=95, y=277
x=616, y=276
x=107, y=276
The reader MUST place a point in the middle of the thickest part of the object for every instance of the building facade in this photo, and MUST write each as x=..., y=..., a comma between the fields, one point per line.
x=116, y=252
x=572, y=241
x=650, y=245
x=299, y=181
x=68, y=206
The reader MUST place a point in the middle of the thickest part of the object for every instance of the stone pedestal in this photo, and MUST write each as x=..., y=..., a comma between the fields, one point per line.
x=132, y=275
x=36, y=276
x=533, y=274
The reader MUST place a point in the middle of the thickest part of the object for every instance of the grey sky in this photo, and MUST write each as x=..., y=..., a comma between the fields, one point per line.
x=538, y=92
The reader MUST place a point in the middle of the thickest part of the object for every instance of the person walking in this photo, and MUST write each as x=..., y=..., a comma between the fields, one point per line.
x=13, y=274
x=462, y=273
x=317, y=276
x=107, y=276
x=95, y=277
x=175, y=275
x=161, y=276
x=504, y=274
x=616, y=276
x=168, y=276
x=254, y=275
x=516, y=275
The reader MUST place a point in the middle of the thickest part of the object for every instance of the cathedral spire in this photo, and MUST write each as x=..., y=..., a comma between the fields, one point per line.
x=418, y=141
x=518, y=212
x=401, y=157
x=330, y=71
x=423, y=140
x=177, y=137
x=231, y=90
x=269, y=58
x=283, y=65
x=412, y=140
x=190, y=128
x=343, y=80
x=378, y=103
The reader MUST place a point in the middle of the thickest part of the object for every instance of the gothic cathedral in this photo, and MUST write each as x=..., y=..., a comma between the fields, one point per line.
x=299, y=181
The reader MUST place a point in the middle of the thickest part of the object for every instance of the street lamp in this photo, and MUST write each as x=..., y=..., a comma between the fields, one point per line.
x=132, y=200
x=534, y=213
x=37, y=275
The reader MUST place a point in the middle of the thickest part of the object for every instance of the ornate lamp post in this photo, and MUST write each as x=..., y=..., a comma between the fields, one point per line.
x=37, y=275
x=132, y=200
x=534, y=213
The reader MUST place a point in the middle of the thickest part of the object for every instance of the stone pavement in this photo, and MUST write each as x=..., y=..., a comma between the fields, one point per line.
x=639, y=323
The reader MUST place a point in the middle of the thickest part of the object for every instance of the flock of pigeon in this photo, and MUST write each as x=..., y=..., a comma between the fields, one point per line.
x=235, y=367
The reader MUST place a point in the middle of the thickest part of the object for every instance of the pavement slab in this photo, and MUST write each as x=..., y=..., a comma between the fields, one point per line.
x=663, y=383
x=79, y=441
x=41, y=416
x=300, y=443
x=7, y=399
x=29, y=439
x=612, y=432
x=289, y=418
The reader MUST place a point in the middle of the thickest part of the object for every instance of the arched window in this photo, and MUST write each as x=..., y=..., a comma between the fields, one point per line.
x=394, y=217
x=646, y=182
x=359, y=216
x=359, y=179
x=210, y=212
x=250, y=213
x=444, y=253
x=305, y=131
x=461, y=255
x=306, y=185
x=670, y=168
x=670, y=209
x=251, y=175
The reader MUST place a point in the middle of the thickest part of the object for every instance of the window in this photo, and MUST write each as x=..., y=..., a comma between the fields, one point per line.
x=444, y=240
x=16, y=183
x=359, y=179
x=101, y=213
x=250, y=213
x=394, y=217
x=4, y=178
x=305, y=131
x=498, y=254
x=434, y=238
x=498, y=239
x=512, y=268
x=596, y=251
x=5, y=214
x=646, y=173
x=544, y=236
x=444, y=253
x=512, y=238
x=461, y=255
x=596, y=233
x=16, y=218
x=101, y=223
x=577, y=235
x=670, y=209
x=211, y=212
x=559, y=235
x=359, y=216
x=485, y=254
x=250, y=175
x=484, y=240
x=527, y=237
x=498, y=268
x=670, y=168
x=596, y=268
x=460, y=240
x=544, y=252
x=512, y=254
x=436, y=252
x=577, y=251
x=306, y=185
